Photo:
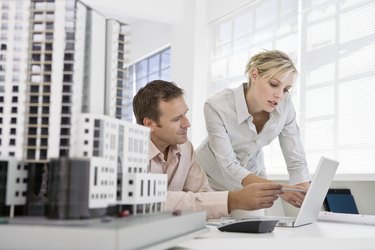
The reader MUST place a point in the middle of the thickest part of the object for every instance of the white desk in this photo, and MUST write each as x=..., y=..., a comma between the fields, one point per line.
x=317, y=236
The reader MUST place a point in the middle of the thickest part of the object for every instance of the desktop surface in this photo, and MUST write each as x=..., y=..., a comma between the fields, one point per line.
x=318, y=235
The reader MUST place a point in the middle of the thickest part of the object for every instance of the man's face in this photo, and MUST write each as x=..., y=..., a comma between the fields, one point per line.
x=173, y=123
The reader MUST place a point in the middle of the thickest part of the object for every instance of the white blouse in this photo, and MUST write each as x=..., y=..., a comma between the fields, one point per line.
x=233, y=148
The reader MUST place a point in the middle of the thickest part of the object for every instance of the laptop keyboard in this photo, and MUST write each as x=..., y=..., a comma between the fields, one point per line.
x=226, y=220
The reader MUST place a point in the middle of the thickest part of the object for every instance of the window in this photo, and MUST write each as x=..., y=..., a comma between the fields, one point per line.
x=12, y=142
x=34, y=88
x=154, y=67
x=332, y=44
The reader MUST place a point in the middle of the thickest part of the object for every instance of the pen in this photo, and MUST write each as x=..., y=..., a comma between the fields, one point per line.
x=285, y=189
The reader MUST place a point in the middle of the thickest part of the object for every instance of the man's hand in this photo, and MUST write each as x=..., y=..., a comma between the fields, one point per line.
x=254, y=196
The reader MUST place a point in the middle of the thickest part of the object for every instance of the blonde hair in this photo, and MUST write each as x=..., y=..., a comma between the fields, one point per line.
x=268, y=60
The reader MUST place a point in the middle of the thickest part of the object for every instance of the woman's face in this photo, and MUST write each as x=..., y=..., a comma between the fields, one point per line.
x=270, y=92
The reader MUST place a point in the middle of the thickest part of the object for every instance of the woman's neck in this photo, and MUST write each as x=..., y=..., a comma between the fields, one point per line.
x=251, y=102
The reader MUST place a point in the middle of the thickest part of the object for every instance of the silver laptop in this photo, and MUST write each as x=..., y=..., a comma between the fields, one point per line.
x=311, y=205
x=315, y=195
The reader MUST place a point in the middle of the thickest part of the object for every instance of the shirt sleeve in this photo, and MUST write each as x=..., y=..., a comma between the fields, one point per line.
x=197, y=194
x=214, y=203
x=221, y=146
x=292, y=148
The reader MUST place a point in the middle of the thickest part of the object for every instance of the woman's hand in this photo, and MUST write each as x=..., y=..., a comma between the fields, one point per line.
x=295, y=198
x=292, y=197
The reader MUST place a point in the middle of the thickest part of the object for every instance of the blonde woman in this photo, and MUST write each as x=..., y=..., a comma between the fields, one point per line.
x=241, y=121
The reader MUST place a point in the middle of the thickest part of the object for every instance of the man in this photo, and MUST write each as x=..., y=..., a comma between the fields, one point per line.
x=160, y=105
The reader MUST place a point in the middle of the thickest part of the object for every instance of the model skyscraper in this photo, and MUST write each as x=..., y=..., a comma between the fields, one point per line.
x=61, y=95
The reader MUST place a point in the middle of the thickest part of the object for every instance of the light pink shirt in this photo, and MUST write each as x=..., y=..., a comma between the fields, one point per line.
x=188, y=187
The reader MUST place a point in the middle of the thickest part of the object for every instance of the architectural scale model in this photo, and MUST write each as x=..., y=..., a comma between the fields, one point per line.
x=65, y=151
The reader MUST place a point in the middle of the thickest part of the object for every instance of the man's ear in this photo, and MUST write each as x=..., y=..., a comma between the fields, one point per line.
x=147, y=122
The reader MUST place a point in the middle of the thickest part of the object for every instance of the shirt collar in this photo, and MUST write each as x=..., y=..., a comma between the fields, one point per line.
x=154, y=151
x=241, y=106
x=240, y=102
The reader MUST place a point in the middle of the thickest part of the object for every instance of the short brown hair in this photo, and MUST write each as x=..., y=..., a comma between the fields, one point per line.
x=146, y=101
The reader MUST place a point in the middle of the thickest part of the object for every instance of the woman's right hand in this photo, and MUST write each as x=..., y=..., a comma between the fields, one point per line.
x=294, y=198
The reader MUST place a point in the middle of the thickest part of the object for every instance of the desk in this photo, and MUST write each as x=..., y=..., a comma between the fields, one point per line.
x=317, y=236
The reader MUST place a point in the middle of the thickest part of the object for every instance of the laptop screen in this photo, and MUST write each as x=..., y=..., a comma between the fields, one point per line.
x=317, y=191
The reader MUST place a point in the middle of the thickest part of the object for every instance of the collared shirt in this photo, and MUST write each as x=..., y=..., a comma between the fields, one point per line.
x=188, y=187
x=233, y=148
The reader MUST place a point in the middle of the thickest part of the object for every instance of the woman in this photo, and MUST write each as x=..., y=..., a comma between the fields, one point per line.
x=241, y=121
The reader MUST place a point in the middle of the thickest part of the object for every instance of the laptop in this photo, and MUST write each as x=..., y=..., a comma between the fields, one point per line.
x=315, y=195
x=312, y=203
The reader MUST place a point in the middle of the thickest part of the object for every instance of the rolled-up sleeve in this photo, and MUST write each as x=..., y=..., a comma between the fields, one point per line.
x=214, y=203
x=188, y=187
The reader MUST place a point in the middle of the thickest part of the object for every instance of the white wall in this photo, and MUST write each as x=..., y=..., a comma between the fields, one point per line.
x=147, y=37
x=190, y=63
x=189, y=55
